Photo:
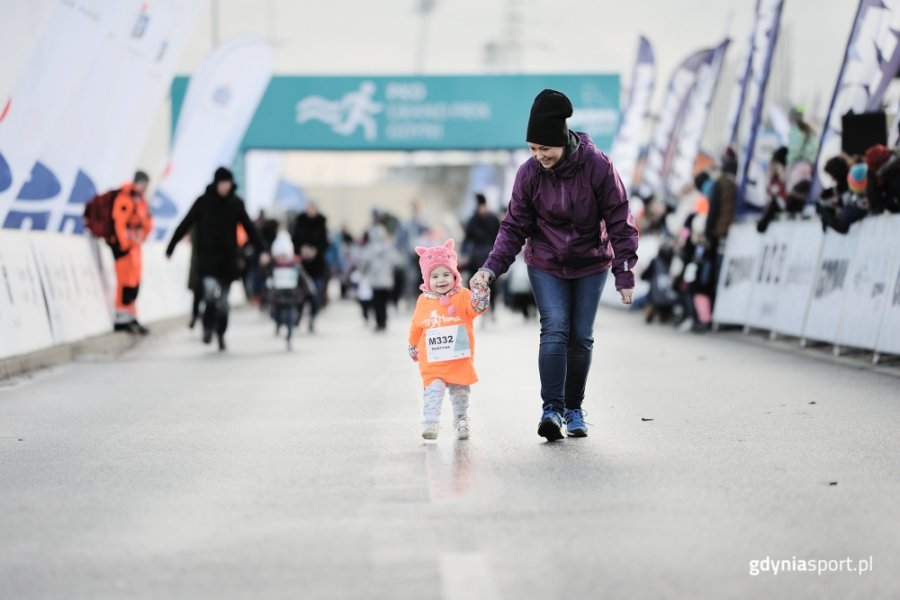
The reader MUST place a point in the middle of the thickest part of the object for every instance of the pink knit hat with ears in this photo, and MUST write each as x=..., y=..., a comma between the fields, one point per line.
x=437, y=256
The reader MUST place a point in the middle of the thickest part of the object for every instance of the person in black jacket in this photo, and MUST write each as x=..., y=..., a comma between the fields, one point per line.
x=310, y=237
x=481, y=232
x=215, y=217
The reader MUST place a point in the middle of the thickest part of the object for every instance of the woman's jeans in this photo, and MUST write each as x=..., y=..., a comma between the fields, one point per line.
x=568, y=308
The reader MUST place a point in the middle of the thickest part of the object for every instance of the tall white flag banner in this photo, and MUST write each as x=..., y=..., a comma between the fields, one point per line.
x=122, y=157
x=871, y=62
x=67, y=47
x=262, y=172
x=220, y=102
x=687, y=144
x=752, y=182
x=670, y=118
x=125, y=85
x=739, y=94
x=626, y=148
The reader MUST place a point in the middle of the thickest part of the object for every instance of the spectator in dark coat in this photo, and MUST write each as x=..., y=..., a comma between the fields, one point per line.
x=310, y=237
x=214, y=218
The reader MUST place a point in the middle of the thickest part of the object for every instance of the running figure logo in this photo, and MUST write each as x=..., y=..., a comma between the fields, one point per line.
x=355, y=109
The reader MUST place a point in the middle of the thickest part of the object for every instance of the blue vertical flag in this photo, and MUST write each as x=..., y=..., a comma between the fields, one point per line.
x=871, y=61
x=765, y=36
x=626, y=146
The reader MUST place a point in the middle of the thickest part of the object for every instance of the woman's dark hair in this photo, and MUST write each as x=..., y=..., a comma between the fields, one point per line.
x=838, y=168
x=780, y=156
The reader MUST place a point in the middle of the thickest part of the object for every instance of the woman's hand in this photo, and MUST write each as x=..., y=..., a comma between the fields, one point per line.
x=626, y=295
x=480, y=280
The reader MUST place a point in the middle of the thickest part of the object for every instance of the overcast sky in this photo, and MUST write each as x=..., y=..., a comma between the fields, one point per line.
x=384, y=36
x=556, y=36
x=361, y=36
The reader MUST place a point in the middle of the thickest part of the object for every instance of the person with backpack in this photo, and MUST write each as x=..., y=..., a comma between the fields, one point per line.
x=215, y=216
x=130, y=224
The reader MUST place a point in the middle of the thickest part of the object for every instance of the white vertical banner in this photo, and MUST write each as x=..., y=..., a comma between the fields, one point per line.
x=739, y=95
x=626, y=148
x=765, y=35
x=738, y=274
x=84, y=153
x=869, y=282
x=220, y=102
x=687, y=144
x=20, y=26
x=830, y=287
x=67, y=47
x=870, y=64
x=669, y=121
x=185, y=18
x=889, y=330
x=262, y=172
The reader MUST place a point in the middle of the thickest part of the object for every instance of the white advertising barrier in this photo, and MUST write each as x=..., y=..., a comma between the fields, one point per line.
x=830, y=286
x=23, y=315
x=103, y=258
x=164, y=293
x=648, y=248
x=76, y=302
x=784, y=276
x=870, y=282
x=164, y=290
x=769, y=275
x=889, y=334
x=736, y=279
x=804, y=247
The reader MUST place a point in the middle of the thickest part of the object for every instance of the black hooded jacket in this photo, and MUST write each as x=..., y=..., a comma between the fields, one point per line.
x=215, y=237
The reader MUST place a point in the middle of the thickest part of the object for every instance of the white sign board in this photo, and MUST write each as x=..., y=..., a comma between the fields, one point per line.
x=830, y=287
x=738, y=273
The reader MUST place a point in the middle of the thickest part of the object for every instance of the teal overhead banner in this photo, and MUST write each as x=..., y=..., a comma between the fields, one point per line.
x=418, y=113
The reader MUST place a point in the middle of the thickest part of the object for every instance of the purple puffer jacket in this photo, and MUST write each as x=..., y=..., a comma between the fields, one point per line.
x=575, y=218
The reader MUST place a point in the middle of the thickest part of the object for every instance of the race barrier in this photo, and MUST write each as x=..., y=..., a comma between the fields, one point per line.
x=58, y=289
x=794, y=280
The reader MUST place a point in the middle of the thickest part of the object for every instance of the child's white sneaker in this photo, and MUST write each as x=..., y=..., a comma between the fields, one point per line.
x=431, y=430
x=462, y=427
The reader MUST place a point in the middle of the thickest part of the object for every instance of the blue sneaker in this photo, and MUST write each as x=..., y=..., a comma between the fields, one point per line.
x=551, y=425
x=575, y=425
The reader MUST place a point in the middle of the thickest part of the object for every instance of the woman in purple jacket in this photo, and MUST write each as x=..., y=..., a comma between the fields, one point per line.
x=568, y=203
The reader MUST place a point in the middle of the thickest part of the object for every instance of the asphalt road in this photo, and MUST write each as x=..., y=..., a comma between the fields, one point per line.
x=177, y=472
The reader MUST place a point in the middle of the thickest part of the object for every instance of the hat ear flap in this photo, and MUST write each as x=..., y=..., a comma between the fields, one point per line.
x=449, y=244
x=421, y=250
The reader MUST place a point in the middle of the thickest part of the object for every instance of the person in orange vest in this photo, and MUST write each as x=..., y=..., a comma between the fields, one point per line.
x=132, y=224
x=442, y=338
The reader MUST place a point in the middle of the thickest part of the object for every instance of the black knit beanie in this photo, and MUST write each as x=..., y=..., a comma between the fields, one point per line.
x=223, y=174
x=547, y=123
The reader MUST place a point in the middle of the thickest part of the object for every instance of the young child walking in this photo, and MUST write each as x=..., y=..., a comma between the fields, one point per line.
x=441, y=337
